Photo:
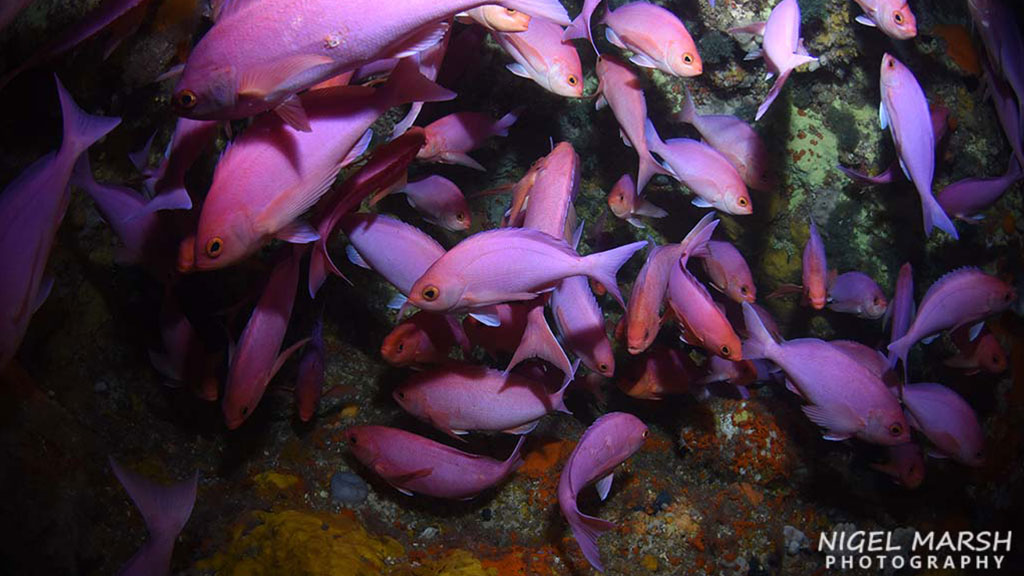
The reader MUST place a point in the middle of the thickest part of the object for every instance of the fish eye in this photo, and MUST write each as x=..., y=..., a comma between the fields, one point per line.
x=510, y=10
x=743, y=290
x=573, y=80
x=352, y=439
x=688, y=58
x=645, y=433
x=897, y=17
x=245, y=410
x=996, y=360
x=725, y=350
x=743, y=202
x=891, y=63
x=895, y=429
x=602, y=367
x=186, y=100
x=214, y=247
x=430, y=293
x=460, y=216
x=401, y=346
x=401, y=395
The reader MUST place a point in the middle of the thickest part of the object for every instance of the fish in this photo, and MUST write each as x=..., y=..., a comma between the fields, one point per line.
x=996, y=24
x=962, y=297
x=414, y=464
x=190, y=140
x=309, y=383
x=506, y=336
x=738, y=373
x=463, y=55
x=983, y=354
x=31, y=209
x=580, y=322
x=430, y=61
x=439, y=201
x=252, y=60
x=184, y=359
x=736, y=140
x=496, y=18
x=509, y=264
x=948, y=422
x=892, y=17
x=620, y=89
x=423, y=339
x=905, y=465
x=541, y=55
x=555, y=186
x=165, y=509
x=451, y=137
x=1007, y=112
x=537, y=341
x=868, y=357
x=659, y=373
x=844, y=397
x=815, y=273
x=626, y=205
x=260, y=189
x=940, y=128
x=458, y=398
x=966, y=199
x=656, y=36
x=608, y=442
x=704, y=170
x=257, y=357
x=903, y=307
x=580, y=26
x=904, y=110
x=728, y=271
x=856, y=293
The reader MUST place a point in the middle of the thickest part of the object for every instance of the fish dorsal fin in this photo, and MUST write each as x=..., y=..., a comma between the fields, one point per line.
x=355, y=257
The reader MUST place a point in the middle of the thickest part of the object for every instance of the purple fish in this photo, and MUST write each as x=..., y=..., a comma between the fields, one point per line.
x=856, y=293
x=903, y=307
x=844, y=397
x=310, y=381
x=257, y=357
x=439, y=201
x=165, y=509
x=782, y=48
x=412, y=463
x=967, y=199
x=984, y=353
x=869, y=357
x=430, y=61
x=31, y=209
x=948, y=422
x=184, y=359
x=1006, y=109
x=541, y=55
x=963, y=297
x=458, y=398
x=905, y=465
x=625, y=204
x=997, y=23
x=422, y=339
x=449, y=139
x=728, y=271
x=608, y=442
x=656, y=36
x=580, y=27
x=940, y=127
x=892, y=17
x=191, y=138
x=581, y=324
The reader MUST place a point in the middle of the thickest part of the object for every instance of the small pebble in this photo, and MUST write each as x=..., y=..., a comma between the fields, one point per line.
x=428, y=533
x=795, y=540
x=348, y=488
x=663, y=500
x=486, y=514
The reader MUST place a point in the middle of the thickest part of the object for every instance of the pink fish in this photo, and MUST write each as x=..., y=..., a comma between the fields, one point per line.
x=844, y=397
x=905, y=465
x=621, y=90
x=422, y=339
x=867, y=356
x=904, y=110
x=967, y=199
x=737, y=373
x=948, y=422
x=856, y=293
x=625, y=204
x=580, y=26
x=257, y=357
x=728, y=271
x=940, y=127
x=996, y=24
x=662, y=372
x=782, y=48
x=165, y=509
x=412, y=463
x=541, y=55
x=184, y=359
x=309, y=383
x=608, y=442
x=736, y=140
x=440, y=202
x=984, y=353
x=430, y=61
x=510, y=264
x=892, y=17
x=260, y=188
x=655, y=36
x=506, y=336
x=497, y=18
x=31, y=209
x=458, y=398
x=555, y=186
x=450, y=138
x=815, y=273
x=903, y=307
x=190, y=140
x=253, y=60
x=963, y=297
x=704, y=170
x=581, y=324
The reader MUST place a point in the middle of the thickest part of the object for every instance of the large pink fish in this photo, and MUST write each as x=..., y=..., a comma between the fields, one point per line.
x=449, y=139
x=948, y=422
x=844, y=397
x=856, y=293
x=940, y=127
x=621, y=90
x=412, y=463
x=728, y=271
x=257, y=357
x=458, y=398
x=608, y=442
x=904, y=110
x=736, y=140
x=657, y=38
x=580, y=26
x=782, y=48
x=510, y=264
x=555, y=186
x=541, y=55
x=905, y=465
x=273, y=173
x=704, y=170
x=893, y=17
x=625, y=204
x=496, y=18
x=967, y=199
x=963, y=297
x=440, y=202
x=254, y=60
x=422, y=339
x=309, y=383
x=903, y=307
x=165, y=510
x=31, y=209
x=984, y=353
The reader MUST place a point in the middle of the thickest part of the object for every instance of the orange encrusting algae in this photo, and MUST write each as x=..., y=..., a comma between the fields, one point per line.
x=959, y=47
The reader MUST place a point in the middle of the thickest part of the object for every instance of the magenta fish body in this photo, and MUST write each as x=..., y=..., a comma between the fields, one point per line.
x=580, y=26
x=440, y=202
x=782, y=48
x=625, y=204
x=541, y=55
x=31, y=209
x=414, y=464
x=892, y=17
x=556, y=184
x=581, y=324
x=868, y=357
x=422, y=339
x=729, y=271
x=458, y=398
x=190, y=139
x=947, y=420
x=608, y=442
x=856, y=293
x=905, y=465
x=704, y=323
x=310, y=381
x=984, y=353
x=399, y=252
x=449, y=139
x=845, y=397
x=815, y=270
x=656, y=36
x=903, y=306
x=967, y=199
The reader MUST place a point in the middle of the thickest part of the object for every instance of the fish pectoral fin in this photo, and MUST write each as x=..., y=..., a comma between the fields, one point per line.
x=865, y=20
x=298, y=232
x=625, y=138
x=414, y=475
x=355, y=257
x=487, y=315
x=839, y=419
x=883, y=115
x=419, y=40
x=461, y=159
x=973, y=334
x=643, y=61
x=645, y=208
x=601, y=102
x=614, y=38
x=929, y=339
x=636, y=222
x=933, y=453
x=753, y=55
x=522, y=429
x=359, y=149
x=518, y=69
x=293, y=114
x=276, y=76
x=947, y=440
x=835, y=437
x=792, y=388
x=701, y=202
x=397, y=301
x=44, y=292
x=604, y=486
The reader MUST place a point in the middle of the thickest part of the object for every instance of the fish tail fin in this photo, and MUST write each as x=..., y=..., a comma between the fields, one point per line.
x=773, y=93
x=501, y=126
x=696, y=241
x=319, y=264
x=580, y=28
x=515, y=460
x=604, y=266
x=539, y=342
x=760, y=344
x=934, y=216
x=559, y=396
x=689, y=112
x=165, y=509
x=898, y=351
x=406, y=84
x=547, y=9
x=81, y=130
x=586, y=529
